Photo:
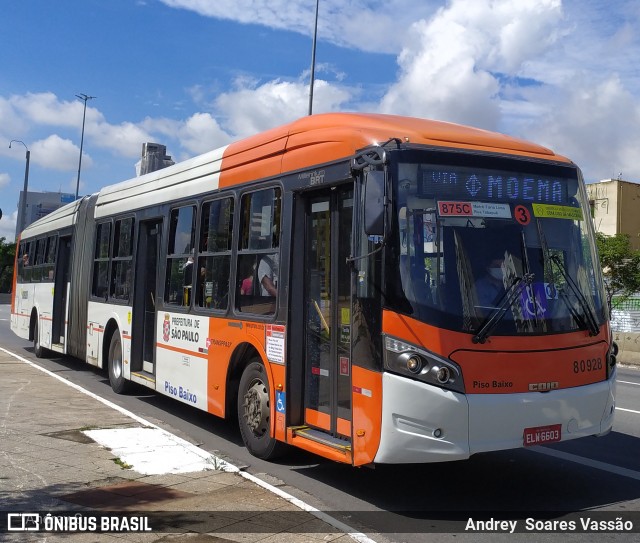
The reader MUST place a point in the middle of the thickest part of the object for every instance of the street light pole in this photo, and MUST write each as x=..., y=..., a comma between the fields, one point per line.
x=84, y=114
x=23, y=204
x=313, y=60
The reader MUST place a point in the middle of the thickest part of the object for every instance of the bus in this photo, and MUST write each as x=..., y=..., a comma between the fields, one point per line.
x=325, y=283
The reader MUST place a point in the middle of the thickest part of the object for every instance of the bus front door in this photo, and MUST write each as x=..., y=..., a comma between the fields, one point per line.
x=143, y=330
x=327, y=398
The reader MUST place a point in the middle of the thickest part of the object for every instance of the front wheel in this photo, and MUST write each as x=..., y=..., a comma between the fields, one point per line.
x=116, y=373
x=254, y=412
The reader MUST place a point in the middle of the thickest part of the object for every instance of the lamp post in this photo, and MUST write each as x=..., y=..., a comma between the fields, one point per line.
x=84, y=114
x=23, y=204
x=313, y=60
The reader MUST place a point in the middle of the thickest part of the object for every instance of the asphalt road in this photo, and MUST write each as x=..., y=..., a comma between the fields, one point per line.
x=407, y=502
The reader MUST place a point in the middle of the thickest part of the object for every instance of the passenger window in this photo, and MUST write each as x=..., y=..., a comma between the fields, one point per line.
x=100, y=284
x=258, y=254
x=122, y=267
x=179, y=270
x=214, y=260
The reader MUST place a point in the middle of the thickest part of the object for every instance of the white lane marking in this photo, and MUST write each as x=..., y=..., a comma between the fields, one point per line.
x=630, y=383
x=627, y=410
x=616, y=470
x=345, y=528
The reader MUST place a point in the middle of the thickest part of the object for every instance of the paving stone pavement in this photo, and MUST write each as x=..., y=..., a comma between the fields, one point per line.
x=49, y=465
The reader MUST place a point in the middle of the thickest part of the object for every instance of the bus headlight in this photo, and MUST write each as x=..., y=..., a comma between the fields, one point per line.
x=418, y=363
x=412, y=362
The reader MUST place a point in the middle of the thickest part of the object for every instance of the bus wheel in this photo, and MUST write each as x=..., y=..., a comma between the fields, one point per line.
x=116, y=374
x=254, y=412
x=38, y=349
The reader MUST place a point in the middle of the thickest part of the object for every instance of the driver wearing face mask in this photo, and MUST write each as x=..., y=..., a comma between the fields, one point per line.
x=490, y=287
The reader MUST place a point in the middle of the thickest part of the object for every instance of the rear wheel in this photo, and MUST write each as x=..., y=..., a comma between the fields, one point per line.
x=254, y=412
x=115, y=367
x=38, y=349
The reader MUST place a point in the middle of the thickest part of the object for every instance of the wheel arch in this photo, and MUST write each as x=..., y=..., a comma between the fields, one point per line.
x=244, y=353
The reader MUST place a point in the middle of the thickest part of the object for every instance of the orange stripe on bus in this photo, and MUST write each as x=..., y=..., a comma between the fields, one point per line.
x=182, y=351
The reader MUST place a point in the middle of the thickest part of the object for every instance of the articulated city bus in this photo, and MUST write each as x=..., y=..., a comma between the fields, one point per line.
x=371, y=288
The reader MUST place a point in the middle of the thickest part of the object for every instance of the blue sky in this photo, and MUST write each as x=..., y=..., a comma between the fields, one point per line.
x=198, y=74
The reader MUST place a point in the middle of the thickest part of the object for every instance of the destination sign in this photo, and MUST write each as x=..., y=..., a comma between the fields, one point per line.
x=491, y=185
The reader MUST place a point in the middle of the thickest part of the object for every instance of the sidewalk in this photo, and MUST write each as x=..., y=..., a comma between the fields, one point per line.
x=48, y=464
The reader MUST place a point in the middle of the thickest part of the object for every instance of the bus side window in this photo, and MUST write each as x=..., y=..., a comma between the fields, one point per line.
x=214, y=254
x=179, y=271
x=258, y=252
x=100, y=284
x=50, y=257
x=122, y=265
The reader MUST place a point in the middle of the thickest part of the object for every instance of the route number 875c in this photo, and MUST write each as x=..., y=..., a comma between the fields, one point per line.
x=591, y=364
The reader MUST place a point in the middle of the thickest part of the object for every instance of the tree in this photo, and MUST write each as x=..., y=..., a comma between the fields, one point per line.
x=7, y=258
x=620, y=266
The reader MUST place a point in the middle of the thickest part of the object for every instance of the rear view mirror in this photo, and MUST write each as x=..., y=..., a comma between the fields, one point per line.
x=374, y=203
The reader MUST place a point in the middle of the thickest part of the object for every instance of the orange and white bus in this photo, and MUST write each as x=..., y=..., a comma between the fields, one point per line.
x=371, y=288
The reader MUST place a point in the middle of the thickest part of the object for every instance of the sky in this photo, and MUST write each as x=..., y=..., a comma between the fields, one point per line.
x=198, y=74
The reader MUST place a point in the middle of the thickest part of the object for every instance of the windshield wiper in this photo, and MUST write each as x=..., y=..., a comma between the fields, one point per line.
x=505, y=304
x=589, y=321
x=586, y=322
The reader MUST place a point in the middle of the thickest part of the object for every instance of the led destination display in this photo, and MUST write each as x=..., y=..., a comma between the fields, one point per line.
x=490, y=185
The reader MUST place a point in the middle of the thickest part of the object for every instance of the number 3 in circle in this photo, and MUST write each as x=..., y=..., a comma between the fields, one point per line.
x=522, y=215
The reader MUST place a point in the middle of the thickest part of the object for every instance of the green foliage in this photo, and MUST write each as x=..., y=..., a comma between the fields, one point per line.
x=7, y=257
x=620, y=266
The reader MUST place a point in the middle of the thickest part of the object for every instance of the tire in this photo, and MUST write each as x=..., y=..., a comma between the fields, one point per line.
x=38, y=349
x=254, y=412
x=115, y=366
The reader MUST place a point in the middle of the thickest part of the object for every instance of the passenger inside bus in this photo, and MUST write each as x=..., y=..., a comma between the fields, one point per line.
x=268, y=275
x=188, y=281
x=490, y=287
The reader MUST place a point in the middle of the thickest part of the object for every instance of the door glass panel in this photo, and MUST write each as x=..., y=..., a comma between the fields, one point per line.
x=318, y=334
x=345, y=213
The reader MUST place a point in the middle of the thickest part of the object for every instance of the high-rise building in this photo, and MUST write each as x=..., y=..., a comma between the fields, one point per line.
x=40, y=204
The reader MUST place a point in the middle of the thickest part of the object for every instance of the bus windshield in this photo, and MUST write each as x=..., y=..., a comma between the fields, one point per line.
x=492, y=246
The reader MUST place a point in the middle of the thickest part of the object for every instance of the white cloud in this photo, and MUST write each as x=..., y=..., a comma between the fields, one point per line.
x=596, y=124
x=8, y=225
x=57, y=153
x=359, y=24
x=201, y=133
x=124, y=139
x=253, y=108
x=5, y=179
x=46, y=109
x=450, y=64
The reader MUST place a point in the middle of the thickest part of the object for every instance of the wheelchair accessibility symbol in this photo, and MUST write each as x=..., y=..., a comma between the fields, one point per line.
x=281, y=401
x=534, y=300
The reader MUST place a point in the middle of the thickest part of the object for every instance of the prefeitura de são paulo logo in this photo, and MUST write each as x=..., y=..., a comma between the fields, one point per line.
x=166, y=327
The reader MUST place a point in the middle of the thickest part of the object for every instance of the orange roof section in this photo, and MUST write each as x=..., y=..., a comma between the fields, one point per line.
x=323, y=138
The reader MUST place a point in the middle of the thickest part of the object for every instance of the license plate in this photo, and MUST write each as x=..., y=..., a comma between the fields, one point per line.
x=542, y=434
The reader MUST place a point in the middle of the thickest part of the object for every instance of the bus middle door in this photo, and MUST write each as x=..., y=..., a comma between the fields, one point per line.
x=144, y=300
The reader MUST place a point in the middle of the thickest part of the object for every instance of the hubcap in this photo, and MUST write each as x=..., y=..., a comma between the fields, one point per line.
x=256, y=408
x=117, y=362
